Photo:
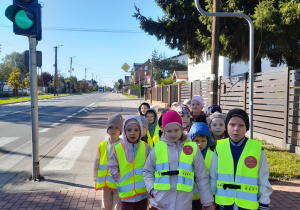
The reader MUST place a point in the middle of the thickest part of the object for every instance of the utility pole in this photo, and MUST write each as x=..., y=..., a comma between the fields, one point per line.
x=92, y=82
x=215, y=55
x=55, y=74
x=85, y=80
x=71, y=69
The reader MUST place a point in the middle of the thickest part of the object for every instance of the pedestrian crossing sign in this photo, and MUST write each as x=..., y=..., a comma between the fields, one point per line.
x=125, y=67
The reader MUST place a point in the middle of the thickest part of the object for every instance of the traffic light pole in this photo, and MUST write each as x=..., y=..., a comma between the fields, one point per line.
x=34, y=108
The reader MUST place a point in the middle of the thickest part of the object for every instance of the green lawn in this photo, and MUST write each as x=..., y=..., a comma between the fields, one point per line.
x=128, y=96
x=27, y=98
x=283, y=165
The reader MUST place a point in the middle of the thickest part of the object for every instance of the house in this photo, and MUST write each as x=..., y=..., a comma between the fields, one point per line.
x=202, y=70
x=127, y=80
x=179, y=76
x=140, y=71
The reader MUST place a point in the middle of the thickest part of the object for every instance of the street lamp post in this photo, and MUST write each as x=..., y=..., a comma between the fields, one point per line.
x=71, y=69
x=55, y=66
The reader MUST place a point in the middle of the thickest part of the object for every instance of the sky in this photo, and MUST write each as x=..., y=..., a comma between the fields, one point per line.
x=101, y=53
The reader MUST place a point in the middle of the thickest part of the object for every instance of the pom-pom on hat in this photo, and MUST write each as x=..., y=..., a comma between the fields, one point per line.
x=237, y=113
x=199, y=99
x=171, y=117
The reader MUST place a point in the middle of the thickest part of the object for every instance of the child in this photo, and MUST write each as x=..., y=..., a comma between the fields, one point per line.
x=187, y=102
x=102, y=177
x=143, y=108
x=145, y=128
x=185, y=115
x=239, y=169
x=216, y=123
x=153, y=127
x=197, y=106
x=200, y=134
x=126, y=164
x=171, y=168
x=160, y=121
x=214, y=108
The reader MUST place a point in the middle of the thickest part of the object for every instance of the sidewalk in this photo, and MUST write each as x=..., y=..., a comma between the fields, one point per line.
x=286, y=195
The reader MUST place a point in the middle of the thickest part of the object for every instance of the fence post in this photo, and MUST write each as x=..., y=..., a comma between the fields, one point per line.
x=191, y=90
x=151, y=95
x=162, y=93
x=169, y=95
x=156, y=95
x=245, y=93
x=219, y=90
x=179, y=92
x=286, y=110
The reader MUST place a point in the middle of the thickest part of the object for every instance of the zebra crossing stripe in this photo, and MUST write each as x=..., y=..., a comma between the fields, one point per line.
x=45, y=130
x=7, y=140
x=67, y=157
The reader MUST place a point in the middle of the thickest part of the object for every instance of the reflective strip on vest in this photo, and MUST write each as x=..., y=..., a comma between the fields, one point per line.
x=185, y=178
x=104, y=178
x=152, y=141
x=131, y=176
x=246, y=176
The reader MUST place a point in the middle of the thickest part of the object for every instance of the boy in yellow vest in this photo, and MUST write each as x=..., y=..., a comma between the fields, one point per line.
x=102, y=176
x=200, y=134
x=239, y=170
x=153, y=127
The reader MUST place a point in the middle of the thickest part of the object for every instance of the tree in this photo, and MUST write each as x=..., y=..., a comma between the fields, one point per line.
x=15, y=80
x=46, y=78
x=13, y=60
x=161, y=64
x=120, y=87
x=277, y=29
x=27, y=81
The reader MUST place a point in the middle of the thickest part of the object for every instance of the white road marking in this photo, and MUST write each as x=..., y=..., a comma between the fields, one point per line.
x=69, y=116
x=54, y=124
x=67, y=157
x=7, y=140
x=74, y=114
x=10, y=159
x=63, y=120
x=45, y=130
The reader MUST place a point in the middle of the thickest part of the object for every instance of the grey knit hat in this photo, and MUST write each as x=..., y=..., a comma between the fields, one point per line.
x=144, y=121
x=115, y=120
x=214, y=116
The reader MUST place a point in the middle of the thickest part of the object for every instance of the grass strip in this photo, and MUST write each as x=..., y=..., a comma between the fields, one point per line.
x=27, y=98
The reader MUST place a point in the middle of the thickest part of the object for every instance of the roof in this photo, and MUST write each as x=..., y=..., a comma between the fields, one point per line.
x=181, y=74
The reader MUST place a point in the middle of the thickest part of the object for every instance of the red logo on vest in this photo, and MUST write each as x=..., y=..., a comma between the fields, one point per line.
x=188, y=150
x=250, y=162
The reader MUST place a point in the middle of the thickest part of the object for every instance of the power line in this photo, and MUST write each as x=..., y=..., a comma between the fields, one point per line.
x=123, y=31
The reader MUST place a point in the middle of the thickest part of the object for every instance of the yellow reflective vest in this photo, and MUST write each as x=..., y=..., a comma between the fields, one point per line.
x=207, y=161
x=104, y=178
x=243, y=188
x=185, y=176
x=131, y=180
x=152, y=141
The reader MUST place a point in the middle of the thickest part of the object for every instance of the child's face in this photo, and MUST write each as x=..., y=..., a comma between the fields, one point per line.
x=217, y=126
x=196, y=107
x=144, y=109
x=150, y=117
x=173, y=132
x=201, y=141
x=144, y=131
x=132, y=133
x=185, y=119
x=113, y=132
x=236, y=129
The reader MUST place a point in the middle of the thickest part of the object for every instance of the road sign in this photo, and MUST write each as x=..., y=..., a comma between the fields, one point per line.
x=118, y=83
x=125, y=67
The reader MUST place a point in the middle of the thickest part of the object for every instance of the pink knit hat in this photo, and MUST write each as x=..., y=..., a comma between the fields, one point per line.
x=199, y=99
x=171, y=117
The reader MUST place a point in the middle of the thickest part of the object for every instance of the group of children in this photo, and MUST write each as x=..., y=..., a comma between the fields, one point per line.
x=186, y=159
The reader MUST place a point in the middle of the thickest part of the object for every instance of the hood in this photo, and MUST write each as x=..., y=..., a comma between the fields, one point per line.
x=200, y=128
x=151, y=127
x=144, y=103
x=138, y=119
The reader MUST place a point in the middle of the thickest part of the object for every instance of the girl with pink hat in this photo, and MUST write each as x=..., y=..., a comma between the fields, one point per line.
x=172, y=168
x=197, y=105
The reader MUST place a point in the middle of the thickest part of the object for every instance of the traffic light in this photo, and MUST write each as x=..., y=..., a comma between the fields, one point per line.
x=26, y=16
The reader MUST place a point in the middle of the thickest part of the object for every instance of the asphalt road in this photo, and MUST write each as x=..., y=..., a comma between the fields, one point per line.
x=70, y=128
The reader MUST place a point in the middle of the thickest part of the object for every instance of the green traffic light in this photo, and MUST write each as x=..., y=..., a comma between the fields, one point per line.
x=22, y=20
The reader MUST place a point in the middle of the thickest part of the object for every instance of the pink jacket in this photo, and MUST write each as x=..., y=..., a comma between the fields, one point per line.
x=173, y=199
x=130, y=152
